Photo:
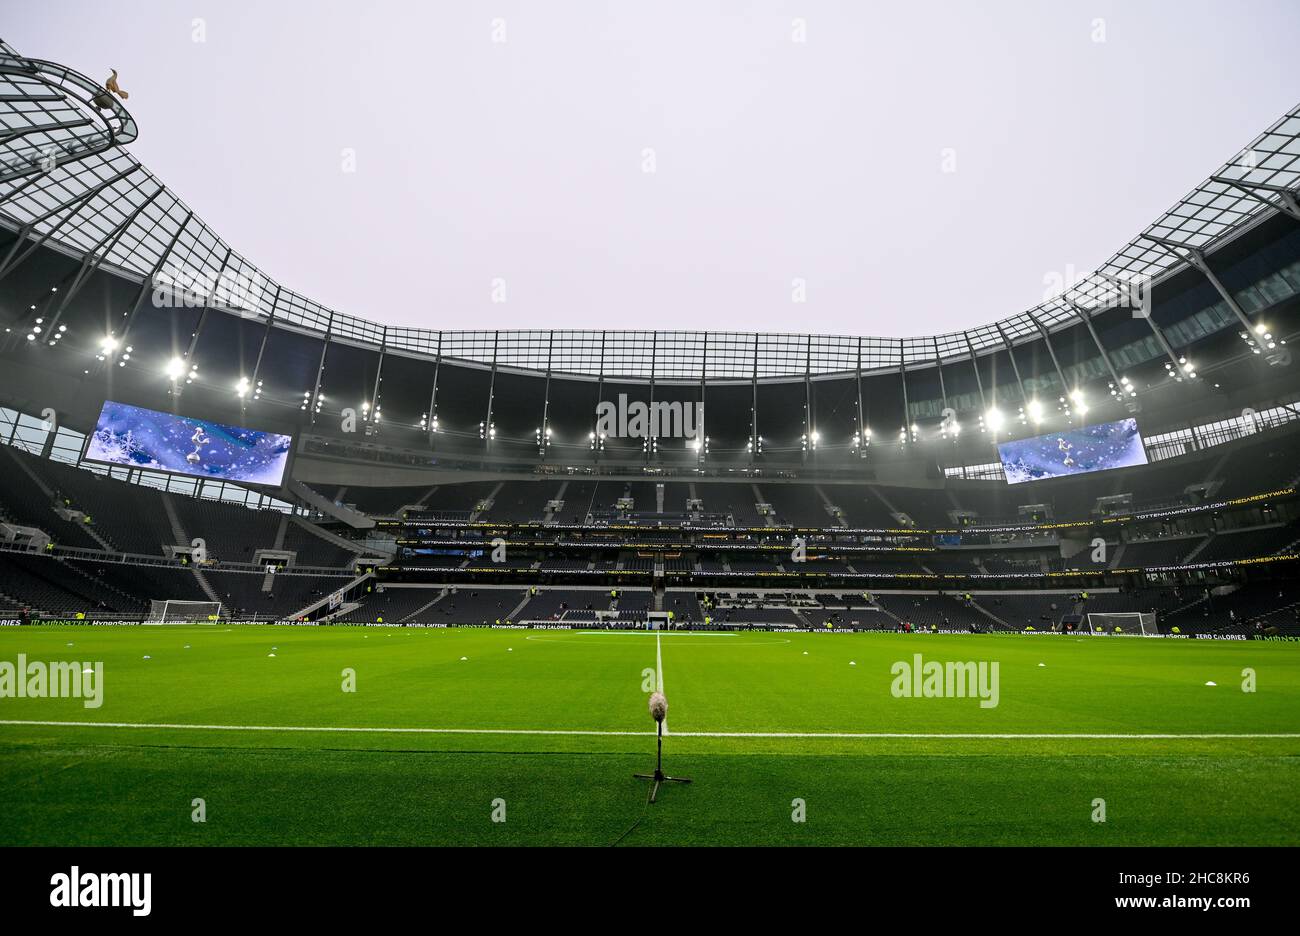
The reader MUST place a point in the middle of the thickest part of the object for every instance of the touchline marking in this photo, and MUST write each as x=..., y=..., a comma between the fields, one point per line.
x=326, y=728
x=851, y=735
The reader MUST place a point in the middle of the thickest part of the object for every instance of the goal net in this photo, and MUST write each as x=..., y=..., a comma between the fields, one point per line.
x=183, y=612
x=1133, y=623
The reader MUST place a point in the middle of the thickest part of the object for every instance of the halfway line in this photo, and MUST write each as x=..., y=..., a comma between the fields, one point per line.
x=659, y=672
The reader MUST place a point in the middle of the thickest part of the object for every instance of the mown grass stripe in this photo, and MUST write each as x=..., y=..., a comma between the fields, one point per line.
x=850, y=735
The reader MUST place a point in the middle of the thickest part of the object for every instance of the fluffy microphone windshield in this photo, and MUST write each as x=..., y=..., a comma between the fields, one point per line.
x=658, y=706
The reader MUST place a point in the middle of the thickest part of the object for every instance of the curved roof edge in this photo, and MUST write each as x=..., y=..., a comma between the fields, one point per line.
x=104, y=203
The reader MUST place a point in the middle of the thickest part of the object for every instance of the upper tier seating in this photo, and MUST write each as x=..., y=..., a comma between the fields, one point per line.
x=522, y=501
x=797, y=505
x=133, y=518
x=23, y=502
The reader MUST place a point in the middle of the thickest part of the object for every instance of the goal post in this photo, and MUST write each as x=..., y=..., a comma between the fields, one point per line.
x=173, y=611
x=1131, y=623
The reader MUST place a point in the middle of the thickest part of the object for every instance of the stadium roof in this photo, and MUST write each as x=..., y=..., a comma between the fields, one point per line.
x=98, y=201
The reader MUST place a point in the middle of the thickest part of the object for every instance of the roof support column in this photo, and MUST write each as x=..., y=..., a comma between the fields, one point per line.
x=1288, y=205
x=203, y=317
x=598, y=443
x=314, y=400
x=1096, y=339
x=1197, y=259
x=755, y=442
x=938, y=364
x=975, y=365
x=1051, y=352
x=146, y=287
x=373, y=414
x=699, y=423
x=431, y=418
x=90, y=265
x=488, y=430
x=1015, y=368
x=902, y=380
x=261, y=352
x=1145, y=313
x=810, y=434
x=544, y=436
x=650, y=445
x=862, y=413
x=77, y=203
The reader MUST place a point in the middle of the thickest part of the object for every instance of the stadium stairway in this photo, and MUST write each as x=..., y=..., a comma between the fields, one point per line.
x=894, y=512
x=518, y=609
x=128, y=600
x=990, y=615
x=833, y=510
x=1173, y=616
x=887, y=613
x=183, y=539
x=1199, y=548
x=345, y=607
x=280, y=530
x=761, y=498
x=424, y=607
x=549, y=517
x=1286, y=618
x=104, y=542
x=423, y=499
x=51, y=500
x=395, y=504
x=268, y=580
x=334, y=539
x=89, y=529
x=327, y=507
x=486, y=502
x=322, y=602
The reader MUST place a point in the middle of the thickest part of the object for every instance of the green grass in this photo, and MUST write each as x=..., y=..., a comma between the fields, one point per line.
x=65, y=784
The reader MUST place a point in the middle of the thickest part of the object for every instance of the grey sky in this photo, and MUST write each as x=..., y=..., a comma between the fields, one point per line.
x=775, y=159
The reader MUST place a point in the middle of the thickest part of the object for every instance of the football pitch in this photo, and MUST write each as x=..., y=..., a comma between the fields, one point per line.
x=408, y=736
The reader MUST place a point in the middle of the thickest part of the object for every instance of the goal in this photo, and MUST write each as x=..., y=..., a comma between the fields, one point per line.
x=183, y=612
x=1132, y=623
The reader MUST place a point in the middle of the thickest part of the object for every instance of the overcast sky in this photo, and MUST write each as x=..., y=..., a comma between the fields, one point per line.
x=680, y=165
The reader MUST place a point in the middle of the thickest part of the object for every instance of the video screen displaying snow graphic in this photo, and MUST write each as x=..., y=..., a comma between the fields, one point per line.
x=1092, y=448
x=143, y=438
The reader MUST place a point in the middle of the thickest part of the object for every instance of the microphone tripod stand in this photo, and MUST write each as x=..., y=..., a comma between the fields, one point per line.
x=659, y=777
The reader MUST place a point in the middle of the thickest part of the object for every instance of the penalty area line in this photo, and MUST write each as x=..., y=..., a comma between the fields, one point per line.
x=847, y=735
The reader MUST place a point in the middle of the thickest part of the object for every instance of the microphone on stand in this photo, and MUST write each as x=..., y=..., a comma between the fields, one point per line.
x=659, y=712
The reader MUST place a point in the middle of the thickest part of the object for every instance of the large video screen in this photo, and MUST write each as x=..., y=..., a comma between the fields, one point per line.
x=1076, y=451
x=136, y=437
